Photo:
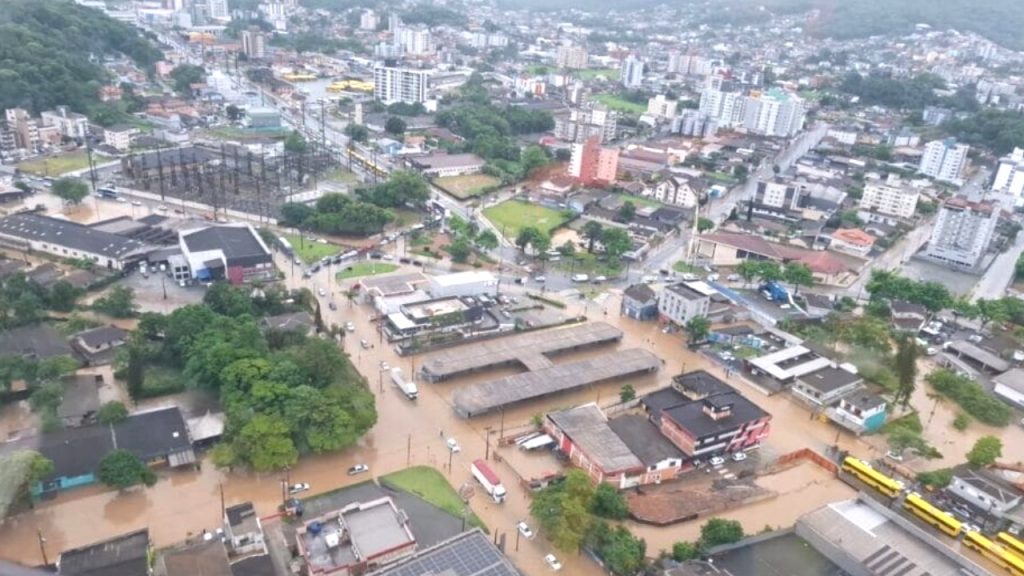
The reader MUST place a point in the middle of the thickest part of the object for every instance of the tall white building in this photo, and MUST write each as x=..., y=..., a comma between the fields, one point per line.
x=1010, y=174
x=963, y=230
x=218, y=9
x=631, y=74
x=414, y=41
x=582, y=123
x=944, y=160
x=892, y=198
x=572, y=57
x=774, y=113
x=254, y=43
x=391, y=84
x=369, y=20
x=661, y=107
x=725, y=107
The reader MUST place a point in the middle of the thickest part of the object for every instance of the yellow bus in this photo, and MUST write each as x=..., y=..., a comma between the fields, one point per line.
x=872, y=477
x=1007, y=540
x=1004, y=559
x=921, y=508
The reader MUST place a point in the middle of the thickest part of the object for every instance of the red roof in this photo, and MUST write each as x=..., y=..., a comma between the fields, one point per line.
x=820, y=262
x=854, y=236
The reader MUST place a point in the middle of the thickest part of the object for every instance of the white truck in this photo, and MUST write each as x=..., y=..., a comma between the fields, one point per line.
x=488, y=479
x=580, y=277
x=407, y=387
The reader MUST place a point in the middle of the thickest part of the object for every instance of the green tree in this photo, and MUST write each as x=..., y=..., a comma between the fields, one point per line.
x=295, y=143
x=532, y=158
x=486, y=240
x=798, y=274
x=395, y=126
x=62, y=296
x=608, y=503
x=592, y=231
x=185, y=75
x=627, y=393
x=749, y=270
x=616, y=242
x=227, y=300
x=112, y=412
x=986, y=451
x=70, y=190
x=19, y=471
x=718, y=531
x=905, y=364
x=698, y=328
x=769, y=271
x=265, y=443
x=683, y=551
x=563, y=510
x=136, y=370
x=627, y=212
x=704, y=224
x=119, y=302
x=233, y=113
x=460, y=249
x=357, y=132
x=122, y=469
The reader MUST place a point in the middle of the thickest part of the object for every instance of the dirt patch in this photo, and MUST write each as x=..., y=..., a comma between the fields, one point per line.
x=688, y=500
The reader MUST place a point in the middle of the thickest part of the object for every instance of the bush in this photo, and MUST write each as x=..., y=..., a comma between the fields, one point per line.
x=112, y=412
x=936, y=478
x=683, y=551
x=961, y=421
x=718, y=531
x=971, y=397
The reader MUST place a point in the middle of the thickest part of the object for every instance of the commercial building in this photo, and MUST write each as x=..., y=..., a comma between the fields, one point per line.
x=679, y=303
x=69, y=124
x=469, y=553
x=716, y=420
x=125, y=555
x=729, y=249
x=891, y=198
x=1010, y=174
x=786, y=365
x=415, y=41
x=439, y=165
x=571, y=56
x=592, y=164
x=640, y=302
x=469, y=283
x=254, y=43
x=962, y=232
x=1010, y=387
x=944, y=160
x=235, y=253
x=725, y=107
x=661, y=107
x=65, y=239
x=631, y=72
x=357, y=539
x=392, y=84
x=774, y=113
x=984, y=490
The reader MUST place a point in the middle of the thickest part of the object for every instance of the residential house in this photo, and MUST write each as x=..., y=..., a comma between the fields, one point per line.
x=1010, y=387
x=908, y=317
x=722, y=421
x=984, y=491
x=860, y=411
x=639, y=302
x=80, y=399
x=34, y=342
x=679, y=303
x=780, y=369
x=96, y=345
x=203, y=558
x=119, y=137
x=243, y=530
x=357, y=539
x=826, y=386
x=70, y=124
x=125, y=555
x=852, y=241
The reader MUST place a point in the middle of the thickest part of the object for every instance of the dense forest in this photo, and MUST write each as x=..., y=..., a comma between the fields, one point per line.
x=48, y=52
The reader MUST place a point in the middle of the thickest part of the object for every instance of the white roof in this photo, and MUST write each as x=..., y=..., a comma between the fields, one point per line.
x=460, y=278
x=769, y=363
x=701, y=287
x=400, y=321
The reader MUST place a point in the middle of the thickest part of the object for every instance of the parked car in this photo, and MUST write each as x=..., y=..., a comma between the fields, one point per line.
x=893, y=455
x=297, y=488
x=358, y=469
x=364, y=344
x=350, y=327
x=553, y=562
x=384, y=365
x=332, y=306
x=321, y=292
x=717, y=461
x=524, y=529
x=453, y=445
x=739, y=456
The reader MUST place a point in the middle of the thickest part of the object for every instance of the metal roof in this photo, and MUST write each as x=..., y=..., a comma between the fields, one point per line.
x=67, y=234
x=468, y=554
x=588, y=429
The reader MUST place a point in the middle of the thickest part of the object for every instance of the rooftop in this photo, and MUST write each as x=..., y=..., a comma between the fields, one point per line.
x=377, y=527
x=460, y=278
x=700, y=383
x=687, y=291
x=830, y=379
x=393, y=284
x=468, y=554
x=153, y=434
x=260, y=565
x=124, y=555
x=820, y=262
x=356, y=534
x=854, y=236
x=640, y=293
x=435, y=161
x=1014, y=380
x=242, y=518
x=81, y=397
x=97, y=337
x=588, y=428
x=792, y=362
x=863, y=400
x=529, y=349
x=644, y=439
x=484, y=397
x=241, y=245
x=692, y=418
x=37, y=228
x=208, y=558
x=979, y=355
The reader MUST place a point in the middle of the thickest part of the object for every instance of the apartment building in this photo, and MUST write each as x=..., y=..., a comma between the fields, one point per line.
x=582, y=123
x=726, y=107
x=1010, y=174
x=571, y=57
x=254, y=43
x=679, y=190
x=393, y=84
x=20, y=131
x=662, y=107
x=891, y=198
x=963, y=230
x=679, y=303
x=944, y=160
x=778, y=194
x=631, y=73
x=69, y=124
x=774, y=113
x=415, y=41
x=592, y=164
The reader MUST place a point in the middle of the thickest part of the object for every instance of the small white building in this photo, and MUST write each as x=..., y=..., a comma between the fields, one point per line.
x=120, y=136
x=681, y=302
x=1010, y=387
x=470, y=283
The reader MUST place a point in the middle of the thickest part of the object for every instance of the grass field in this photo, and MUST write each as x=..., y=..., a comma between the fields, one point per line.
x=371, y=268
x=591, y=73
x=57, y=165
x=310, y=251
x=639, y=200
x=514, y=215
x=430, y=485
x=622, y=105
x=466, y=186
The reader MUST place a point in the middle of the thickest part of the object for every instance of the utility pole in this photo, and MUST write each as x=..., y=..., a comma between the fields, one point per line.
x=450, y=454
x=408, y=451
x=42, y=547
x=501, y=434
x=323, y=124
x=223, y=510
x=487, y=440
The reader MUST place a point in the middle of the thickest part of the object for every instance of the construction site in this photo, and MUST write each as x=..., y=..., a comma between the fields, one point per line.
x=229, y=176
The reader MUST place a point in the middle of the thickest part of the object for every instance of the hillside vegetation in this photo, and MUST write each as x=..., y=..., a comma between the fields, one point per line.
x=49, y=51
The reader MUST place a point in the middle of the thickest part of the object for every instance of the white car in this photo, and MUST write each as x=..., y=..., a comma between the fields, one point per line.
x=350, y=327
x=358, y=469
x=717, y=461
x=300, y=487
x=136, y=203
x=122, y=200
x=739, y=456
x=321, y=292
x=524, y=529
x=553, y=562
x=384, y=365
x=453, y=445
x=364, y=344
x=162, y=208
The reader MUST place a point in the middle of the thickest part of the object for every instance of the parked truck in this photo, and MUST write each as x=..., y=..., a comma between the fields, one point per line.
x=488, y=479
x=775, y=292
x=407, y=387
x=580, y=277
